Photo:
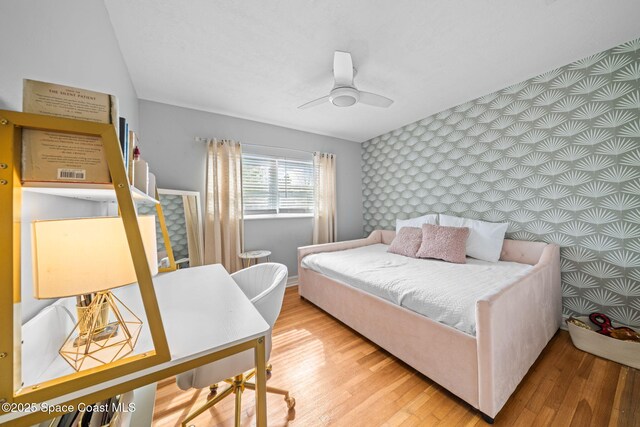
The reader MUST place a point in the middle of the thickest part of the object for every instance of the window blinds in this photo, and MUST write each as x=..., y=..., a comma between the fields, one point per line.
x=272, y=185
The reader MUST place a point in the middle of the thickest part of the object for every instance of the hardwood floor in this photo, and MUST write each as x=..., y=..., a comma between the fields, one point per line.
x=340, y=378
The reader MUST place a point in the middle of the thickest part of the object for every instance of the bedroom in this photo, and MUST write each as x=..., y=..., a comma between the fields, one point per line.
x=526, y=115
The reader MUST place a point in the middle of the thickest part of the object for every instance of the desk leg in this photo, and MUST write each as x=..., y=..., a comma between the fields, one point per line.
x=261, y=384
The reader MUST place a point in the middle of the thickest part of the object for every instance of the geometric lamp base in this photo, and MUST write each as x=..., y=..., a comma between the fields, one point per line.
x=94, y=341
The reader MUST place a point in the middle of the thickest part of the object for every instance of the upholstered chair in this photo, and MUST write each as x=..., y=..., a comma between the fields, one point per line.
x=264, y=285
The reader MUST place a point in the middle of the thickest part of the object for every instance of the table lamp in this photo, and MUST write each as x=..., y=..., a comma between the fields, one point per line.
x=86, y=258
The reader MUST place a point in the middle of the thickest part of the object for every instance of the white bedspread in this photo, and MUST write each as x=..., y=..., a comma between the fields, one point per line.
x=440, y=290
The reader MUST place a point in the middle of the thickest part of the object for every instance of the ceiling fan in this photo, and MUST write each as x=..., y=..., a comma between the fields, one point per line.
x=344, y=92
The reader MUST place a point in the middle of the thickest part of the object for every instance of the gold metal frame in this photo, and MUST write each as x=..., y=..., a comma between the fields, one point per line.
x=165, y=236
x=237, y=385
x=11, y=125
x=257, y=344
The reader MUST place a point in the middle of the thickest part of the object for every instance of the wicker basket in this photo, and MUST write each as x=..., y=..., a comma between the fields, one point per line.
x=625, y=352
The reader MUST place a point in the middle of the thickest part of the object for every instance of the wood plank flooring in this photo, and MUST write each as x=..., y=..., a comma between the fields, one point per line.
x=339, y=378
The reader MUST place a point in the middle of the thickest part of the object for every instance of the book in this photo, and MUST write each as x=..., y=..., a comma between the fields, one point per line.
x=67, y=419
x=63, y=157
x=60, y=157
x=65, y=101
x=126, y=147
x=123, y=136
x=133, y=142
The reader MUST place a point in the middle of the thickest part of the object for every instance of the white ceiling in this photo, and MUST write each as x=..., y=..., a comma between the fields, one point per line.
x=259, y=59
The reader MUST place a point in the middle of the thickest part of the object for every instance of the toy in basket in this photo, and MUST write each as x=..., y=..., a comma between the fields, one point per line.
x=618, y=343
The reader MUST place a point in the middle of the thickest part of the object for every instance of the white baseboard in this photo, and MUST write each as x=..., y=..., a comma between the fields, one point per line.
x=292, y=281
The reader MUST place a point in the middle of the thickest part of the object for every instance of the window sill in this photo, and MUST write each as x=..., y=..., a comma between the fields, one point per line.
x=278, y=216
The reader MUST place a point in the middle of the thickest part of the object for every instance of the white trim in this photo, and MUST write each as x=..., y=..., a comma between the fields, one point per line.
x=178, y=192
x=292, y=281
x=278, y=216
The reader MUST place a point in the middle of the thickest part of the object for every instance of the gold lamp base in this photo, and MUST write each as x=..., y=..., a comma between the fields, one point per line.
x=94, y=341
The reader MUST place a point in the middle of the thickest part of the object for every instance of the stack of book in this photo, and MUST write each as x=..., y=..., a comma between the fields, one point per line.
x=113, y=412
x=128, y=142
x=62, y=157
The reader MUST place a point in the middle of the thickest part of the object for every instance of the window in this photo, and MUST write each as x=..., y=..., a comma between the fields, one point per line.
x=275, y=186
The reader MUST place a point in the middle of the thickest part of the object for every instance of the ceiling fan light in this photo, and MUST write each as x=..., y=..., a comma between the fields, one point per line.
x=344, y=97
x=343, y=101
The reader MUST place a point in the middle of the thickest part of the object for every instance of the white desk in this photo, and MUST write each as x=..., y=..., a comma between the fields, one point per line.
x=206, y=317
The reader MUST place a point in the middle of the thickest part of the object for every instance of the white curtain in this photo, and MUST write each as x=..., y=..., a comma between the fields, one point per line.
x=324, y=213
x=223, y=225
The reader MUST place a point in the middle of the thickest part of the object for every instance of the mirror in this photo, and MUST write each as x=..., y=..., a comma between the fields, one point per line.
x=183, y=217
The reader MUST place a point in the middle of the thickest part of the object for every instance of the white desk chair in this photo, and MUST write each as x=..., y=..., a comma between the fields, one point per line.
x=264, y=285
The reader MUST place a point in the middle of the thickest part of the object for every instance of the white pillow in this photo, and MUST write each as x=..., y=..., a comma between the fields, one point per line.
x=416, y=222
x=485, y=238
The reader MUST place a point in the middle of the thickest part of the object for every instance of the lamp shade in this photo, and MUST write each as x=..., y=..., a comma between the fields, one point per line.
x=80, y=256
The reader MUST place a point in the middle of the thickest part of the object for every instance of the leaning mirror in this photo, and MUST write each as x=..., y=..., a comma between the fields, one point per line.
x=183, y=217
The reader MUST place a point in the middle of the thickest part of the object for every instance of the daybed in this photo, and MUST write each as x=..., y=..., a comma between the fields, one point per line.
x=512, y=324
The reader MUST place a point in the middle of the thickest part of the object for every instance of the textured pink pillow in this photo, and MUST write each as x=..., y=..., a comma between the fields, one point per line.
x=445, y=243
x=407, y=242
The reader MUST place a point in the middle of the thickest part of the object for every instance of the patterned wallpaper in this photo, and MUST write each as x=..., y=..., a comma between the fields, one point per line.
x=173, y=209
x=556, y=156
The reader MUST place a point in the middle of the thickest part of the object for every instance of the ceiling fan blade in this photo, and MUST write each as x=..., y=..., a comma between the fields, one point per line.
x=342, y=68
x=374, y=99
x=314, y=102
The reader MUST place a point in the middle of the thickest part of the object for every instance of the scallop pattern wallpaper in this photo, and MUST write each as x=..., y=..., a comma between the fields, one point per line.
x=173, y=209
x=556, y=156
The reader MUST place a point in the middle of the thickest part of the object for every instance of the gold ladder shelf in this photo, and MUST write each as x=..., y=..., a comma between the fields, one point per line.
x=11, y=125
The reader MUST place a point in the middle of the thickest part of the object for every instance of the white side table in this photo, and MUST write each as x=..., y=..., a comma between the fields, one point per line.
x=253, y=256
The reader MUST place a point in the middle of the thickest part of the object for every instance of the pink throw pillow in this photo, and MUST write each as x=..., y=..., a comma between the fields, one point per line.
x=445, y=243
x=407, y=242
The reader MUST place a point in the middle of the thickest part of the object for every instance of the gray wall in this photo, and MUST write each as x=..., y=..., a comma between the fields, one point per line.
x=66, y=42
x=556, y=156
x=167, y=142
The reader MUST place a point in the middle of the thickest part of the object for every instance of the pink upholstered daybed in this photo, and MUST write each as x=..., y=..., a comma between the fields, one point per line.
x=512, y=325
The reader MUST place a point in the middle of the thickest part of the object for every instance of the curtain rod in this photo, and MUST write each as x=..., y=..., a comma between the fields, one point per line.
x=200, y=139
